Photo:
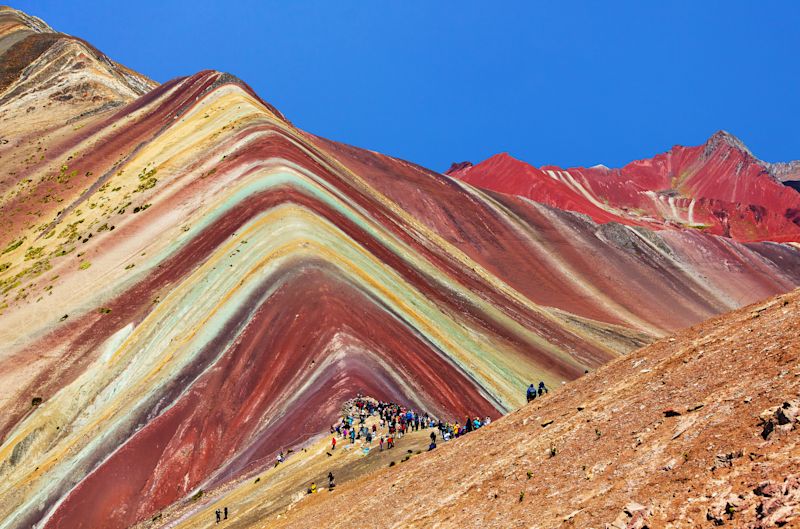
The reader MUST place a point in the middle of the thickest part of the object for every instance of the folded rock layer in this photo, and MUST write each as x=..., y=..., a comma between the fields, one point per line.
x=189, y=283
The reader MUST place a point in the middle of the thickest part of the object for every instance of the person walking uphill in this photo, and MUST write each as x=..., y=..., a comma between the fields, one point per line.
x=531, y=392
x=542, y=389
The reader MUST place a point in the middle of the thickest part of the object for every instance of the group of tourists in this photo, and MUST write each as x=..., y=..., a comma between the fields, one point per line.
x=394, y=421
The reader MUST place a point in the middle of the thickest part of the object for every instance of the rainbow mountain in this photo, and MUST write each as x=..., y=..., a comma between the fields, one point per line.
x=189, y=283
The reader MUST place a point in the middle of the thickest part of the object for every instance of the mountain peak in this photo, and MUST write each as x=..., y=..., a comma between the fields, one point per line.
x=10, y=17
x=722, y=138
x=781, y=171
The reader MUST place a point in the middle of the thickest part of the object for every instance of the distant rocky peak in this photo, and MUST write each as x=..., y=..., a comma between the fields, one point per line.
x=458, y=167
x=784, y=171
x=726, y=140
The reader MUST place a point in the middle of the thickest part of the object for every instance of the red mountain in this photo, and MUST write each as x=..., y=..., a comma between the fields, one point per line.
x=719, y=187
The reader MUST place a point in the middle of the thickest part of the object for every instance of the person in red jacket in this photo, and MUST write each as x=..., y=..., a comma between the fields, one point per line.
x=333, y=443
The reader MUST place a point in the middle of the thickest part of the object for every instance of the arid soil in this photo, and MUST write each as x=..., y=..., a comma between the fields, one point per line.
x=697, y=430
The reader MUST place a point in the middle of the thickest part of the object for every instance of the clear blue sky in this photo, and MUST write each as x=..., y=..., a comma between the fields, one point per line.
x=565, y=83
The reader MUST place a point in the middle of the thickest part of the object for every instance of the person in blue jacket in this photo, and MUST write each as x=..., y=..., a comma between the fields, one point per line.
x=531, y=392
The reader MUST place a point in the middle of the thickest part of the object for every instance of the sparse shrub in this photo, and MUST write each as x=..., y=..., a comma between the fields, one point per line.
x=147, y=179
x=34, y=252
x=14, y=245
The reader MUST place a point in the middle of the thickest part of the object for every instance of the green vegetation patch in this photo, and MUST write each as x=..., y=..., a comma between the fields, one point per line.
x=147, y=179
x=34, y=252
x=14, y=245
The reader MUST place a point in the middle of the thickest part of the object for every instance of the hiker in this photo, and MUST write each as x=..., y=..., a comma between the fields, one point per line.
x=352, y=436
x=487, y=421
x=468, y=424
x=219, y=515
x=390, y=442
x=431, y=446
x=531, y=392
x=331, y=483
x=381, y=443
x=433, y=437
x=333, y=443
x=226, y=513
x=313, y=488
x=542, y=389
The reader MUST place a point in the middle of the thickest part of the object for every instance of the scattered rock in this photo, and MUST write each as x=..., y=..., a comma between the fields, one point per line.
x=634, y=507
x=725, y=460
x=777, y=505
x=671, y=413
x=785, y=417
x=633, y=516
x=725, y=508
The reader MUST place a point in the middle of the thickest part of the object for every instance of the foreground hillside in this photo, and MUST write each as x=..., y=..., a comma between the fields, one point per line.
x=189, y=284
x=697, y=430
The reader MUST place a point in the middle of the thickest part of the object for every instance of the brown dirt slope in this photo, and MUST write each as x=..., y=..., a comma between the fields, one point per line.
x=676, y=434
